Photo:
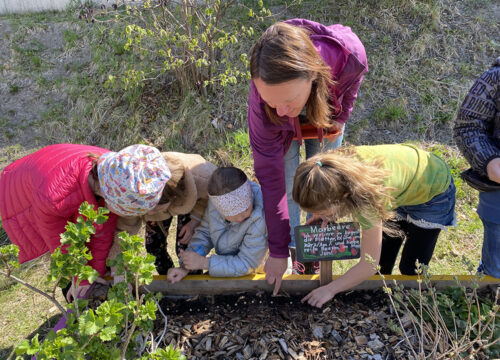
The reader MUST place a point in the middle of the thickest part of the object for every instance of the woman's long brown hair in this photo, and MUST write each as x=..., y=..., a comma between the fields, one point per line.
x=284, y=53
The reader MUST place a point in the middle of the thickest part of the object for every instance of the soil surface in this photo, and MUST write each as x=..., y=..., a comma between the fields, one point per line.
x=259, y=326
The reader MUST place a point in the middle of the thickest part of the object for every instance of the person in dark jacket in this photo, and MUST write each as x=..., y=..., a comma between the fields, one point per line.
x=477, y=134
x=296, y=65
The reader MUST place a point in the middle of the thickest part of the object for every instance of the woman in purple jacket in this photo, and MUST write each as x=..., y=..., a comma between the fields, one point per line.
x=302, y=72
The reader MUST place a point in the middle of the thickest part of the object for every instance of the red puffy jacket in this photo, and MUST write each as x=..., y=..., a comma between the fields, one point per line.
x=41, y=192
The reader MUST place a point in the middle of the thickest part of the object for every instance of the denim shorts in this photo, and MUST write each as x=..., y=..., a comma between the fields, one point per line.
x=437, y=213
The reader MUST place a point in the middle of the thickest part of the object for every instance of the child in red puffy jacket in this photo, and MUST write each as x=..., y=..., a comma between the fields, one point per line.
x=41, y=192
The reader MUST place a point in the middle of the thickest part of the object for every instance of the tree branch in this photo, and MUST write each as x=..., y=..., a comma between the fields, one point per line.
x=31, y=287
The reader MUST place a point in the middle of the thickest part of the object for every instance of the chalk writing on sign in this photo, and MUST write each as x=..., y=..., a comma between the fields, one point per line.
x=336, y=241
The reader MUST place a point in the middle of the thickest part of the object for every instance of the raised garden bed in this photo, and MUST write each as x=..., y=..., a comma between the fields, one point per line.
x=259, y=326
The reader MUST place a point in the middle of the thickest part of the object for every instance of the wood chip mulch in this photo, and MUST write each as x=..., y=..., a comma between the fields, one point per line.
x=260, y=326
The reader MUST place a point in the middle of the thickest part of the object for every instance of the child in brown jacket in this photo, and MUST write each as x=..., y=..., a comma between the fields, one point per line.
x=186, y=196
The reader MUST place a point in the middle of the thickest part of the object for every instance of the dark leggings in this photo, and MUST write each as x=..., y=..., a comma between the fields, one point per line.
x=419, y=245
x=156, y=241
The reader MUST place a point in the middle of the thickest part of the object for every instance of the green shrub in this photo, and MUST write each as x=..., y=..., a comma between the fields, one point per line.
x=119, y=327
x=190, y=43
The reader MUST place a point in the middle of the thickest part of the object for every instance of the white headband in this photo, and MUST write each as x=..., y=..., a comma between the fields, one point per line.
x=234, y=202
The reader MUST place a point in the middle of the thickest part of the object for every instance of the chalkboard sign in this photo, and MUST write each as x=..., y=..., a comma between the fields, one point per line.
x=338, y=241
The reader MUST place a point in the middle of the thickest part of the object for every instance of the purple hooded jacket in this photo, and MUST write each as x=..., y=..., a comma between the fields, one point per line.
x=342, y=50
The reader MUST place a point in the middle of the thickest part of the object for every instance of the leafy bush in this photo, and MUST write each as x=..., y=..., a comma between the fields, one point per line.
x=119, y=327
x=187, y=42
x=151, y=78
x=457, y=308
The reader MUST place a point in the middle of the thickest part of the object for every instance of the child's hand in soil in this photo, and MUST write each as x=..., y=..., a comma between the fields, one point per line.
x=318, y=297
x=274, y=269
x=176, y=274
x=187, y=231
x=193, y=261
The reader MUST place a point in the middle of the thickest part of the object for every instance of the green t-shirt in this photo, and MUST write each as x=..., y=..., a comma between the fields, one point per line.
x=416, y=175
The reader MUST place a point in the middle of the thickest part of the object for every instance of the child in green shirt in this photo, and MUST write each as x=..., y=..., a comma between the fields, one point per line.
x=396, y=192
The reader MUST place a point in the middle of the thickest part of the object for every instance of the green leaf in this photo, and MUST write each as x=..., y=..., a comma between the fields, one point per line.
x=26, y=348
x=110, y=311
x=89, y=324
x=92, y=275
x=108, y=333
x=23, y=347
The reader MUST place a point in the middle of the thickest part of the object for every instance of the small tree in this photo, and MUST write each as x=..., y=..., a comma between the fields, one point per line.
x=120, y=327
x=189, y=42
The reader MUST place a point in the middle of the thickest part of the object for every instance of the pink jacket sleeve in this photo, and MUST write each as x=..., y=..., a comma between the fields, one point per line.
x=52, y=222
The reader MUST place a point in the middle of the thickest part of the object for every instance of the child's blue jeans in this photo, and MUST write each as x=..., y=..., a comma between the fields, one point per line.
x=489, y=212
x=292, y=157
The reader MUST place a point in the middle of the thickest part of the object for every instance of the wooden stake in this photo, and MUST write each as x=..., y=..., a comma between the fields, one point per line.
x=325, y=272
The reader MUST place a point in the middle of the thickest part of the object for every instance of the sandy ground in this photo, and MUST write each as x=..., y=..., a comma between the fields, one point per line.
x=30, y=94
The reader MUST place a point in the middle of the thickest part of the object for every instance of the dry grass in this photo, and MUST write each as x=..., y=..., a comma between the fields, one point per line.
x=24, y=313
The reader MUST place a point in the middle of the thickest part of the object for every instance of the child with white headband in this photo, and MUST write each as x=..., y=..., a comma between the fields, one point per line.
x=233, y=225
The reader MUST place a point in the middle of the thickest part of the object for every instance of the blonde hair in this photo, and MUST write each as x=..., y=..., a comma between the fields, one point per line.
x=284, y=53
x=339, y=179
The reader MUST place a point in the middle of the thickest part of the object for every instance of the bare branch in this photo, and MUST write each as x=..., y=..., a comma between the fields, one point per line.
x=31, y=287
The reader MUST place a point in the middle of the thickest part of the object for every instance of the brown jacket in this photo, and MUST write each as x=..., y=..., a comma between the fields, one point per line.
x=197, y=172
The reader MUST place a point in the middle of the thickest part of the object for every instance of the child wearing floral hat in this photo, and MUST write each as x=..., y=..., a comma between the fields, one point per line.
x=41, y=192
x=132, y=180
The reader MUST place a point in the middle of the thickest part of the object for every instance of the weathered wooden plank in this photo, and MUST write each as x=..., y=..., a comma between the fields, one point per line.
x=296, y=284
x=325, y=272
